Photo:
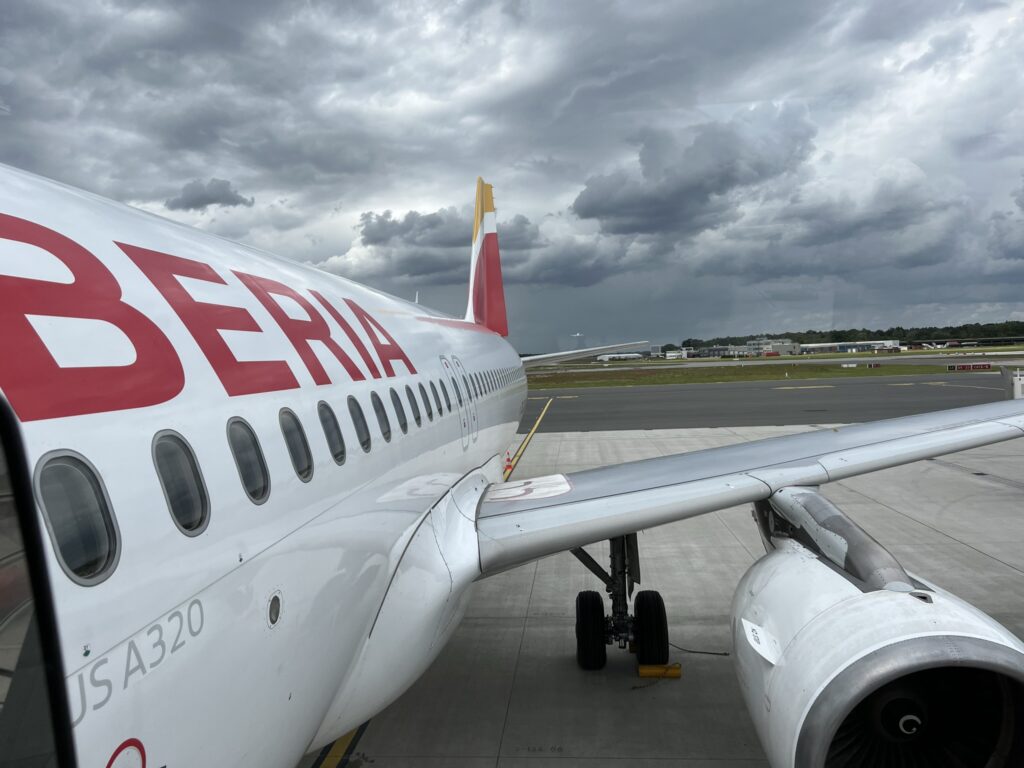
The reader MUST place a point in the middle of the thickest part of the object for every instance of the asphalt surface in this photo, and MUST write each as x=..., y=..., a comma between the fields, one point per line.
x=960, y=358
x=756, y=403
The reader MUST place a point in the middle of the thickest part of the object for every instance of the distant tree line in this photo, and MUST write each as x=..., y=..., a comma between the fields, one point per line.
x=926, y=333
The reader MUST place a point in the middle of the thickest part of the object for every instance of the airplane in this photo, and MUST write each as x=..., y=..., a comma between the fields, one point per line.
x=243, y=503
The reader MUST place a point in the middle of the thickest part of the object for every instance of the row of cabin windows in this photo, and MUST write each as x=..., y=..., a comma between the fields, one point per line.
x=79, y=515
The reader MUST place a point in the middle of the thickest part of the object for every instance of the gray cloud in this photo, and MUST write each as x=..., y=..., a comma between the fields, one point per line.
x=945, y=48
x=425, y=248
x=197, y=196
x=677, y=168
x=683, y=184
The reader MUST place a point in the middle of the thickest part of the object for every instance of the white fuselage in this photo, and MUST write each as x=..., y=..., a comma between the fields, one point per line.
x=369, y=560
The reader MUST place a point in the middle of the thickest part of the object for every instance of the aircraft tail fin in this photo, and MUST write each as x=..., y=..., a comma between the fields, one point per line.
x=486, y=290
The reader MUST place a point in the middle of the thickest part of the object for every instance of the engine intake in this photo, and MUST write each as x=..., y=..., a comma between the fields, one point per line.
x=847, y=660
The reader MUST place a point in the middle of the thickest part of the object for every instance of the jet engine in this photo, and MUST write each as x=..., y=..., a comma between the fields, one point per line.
x=845, y=659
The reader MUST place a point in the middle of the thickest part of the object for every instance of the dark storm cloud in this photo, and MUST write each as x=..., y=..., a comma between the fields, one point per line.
x=683, y=184
x=841, y=159
x=197, y=196
x=426, y=248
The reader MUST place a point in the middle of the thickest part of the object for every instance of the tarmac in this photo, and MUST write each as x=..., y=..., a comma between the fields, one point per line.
x=507, y=693
x=995, y=359
x=757, y=403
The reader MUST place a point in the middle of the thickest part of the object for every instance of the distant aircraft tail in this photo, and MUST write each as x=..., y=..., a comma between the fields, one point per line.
x=486, y=290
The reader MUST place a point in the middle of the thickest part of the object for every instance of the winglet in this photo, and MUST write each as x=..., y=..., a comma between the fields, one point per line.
x=486, y=290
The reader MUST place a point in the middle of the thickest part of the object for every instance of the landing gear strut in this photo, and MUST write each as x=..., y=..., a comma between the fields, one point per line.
x=645, y=632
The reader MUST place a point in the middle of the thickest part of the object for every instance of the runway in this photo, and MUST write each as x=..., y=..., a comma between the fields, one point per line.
x=506, y=691
x=1012, y=359
x=757, y=403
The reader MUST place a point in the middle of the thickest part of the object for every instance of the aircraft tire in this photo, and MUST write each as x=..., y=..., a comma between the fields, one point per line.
x=591, y=651
x=650, y=628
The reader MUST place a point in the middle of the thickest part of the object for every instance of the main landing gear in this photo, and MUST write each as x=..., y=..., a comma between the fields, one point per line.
x=645, y=632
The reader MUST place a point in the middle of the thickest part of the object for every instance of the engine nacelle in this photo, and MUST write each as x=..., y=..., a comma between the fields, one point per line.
x=838, y=672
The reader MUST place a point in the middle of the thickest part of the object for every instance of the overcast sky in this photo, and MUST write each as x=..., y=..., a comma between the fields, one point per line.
x=661, y=170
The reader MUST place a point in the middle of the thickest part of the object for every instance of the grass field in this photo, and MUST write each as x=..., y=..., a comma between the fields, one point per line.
x=611, y=377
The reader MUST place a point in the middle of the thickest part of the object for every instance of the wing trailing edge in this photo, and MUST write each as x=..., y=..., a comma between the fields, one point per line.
x=532, y=361
x=525, y=520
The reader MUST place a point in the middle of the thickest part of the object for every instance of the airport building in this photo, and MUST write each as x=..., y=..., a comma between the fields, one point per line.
x=770, y=347
x=764, y=347
x=887, y=345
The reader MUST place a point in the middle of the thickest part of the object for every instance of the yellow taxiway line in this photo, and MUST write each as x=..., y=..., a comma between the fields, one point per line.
x=527, y=439
x=338, y=753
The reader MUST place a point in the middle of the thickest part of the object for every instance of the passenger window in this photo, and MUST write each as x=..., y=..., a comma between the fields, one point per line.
x=469, y=389
x=476, y=384
x=182, y=483
x=79, y=518
x=437, y=400
x=403, y=422
x=382, y=416
x=458, y=392
x=414, y=405
x=252, y=469
x=298, y=446
x=359, y=422
x=447, y=400
x=332, y=431
x=426, y=402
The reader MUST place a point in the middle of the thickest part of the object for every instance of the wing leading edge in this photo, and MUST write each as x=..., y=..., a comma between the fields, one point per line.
x=521, y=521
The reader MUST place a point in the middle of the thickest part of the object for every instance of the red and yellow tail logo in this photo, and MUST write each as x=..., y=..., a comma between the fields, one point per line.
x=486, y=290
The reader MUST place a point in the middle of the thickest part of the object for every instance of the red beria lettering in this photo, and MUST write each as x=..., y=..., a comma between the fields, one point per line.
x=350, y=332
x=388, y=349
x=300, y=332
x=204, y=321
x=36, y=386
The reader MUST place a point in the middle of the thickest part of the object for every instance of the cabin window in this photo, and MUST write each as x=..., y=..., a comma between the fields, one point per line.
x=403, y=422
x=490, y=381
x=426, y=402
x=469, y=391
x=458, y=392
x=182, y=483
x=413, y=405
x=298, y=446
x=359, y=422
x=447, y=400
x=332, y=432
x=79, y=518
x=252, y=468
x=437, y=400
x=382, y=416
x=476, y=385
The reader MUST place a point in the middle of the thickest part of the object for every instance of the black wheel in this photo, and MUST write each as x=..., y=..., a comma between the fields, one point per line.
x=591, y=652
x=650, y=628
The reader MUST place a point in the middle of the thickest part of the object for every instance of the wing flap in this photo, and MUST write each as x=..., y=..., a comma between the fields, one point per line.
x=525, y=520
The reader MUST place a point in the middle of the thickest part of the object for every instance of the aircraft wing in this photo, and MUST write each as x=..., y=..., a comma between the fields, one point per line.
x=531, y=361
x=524, y=520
